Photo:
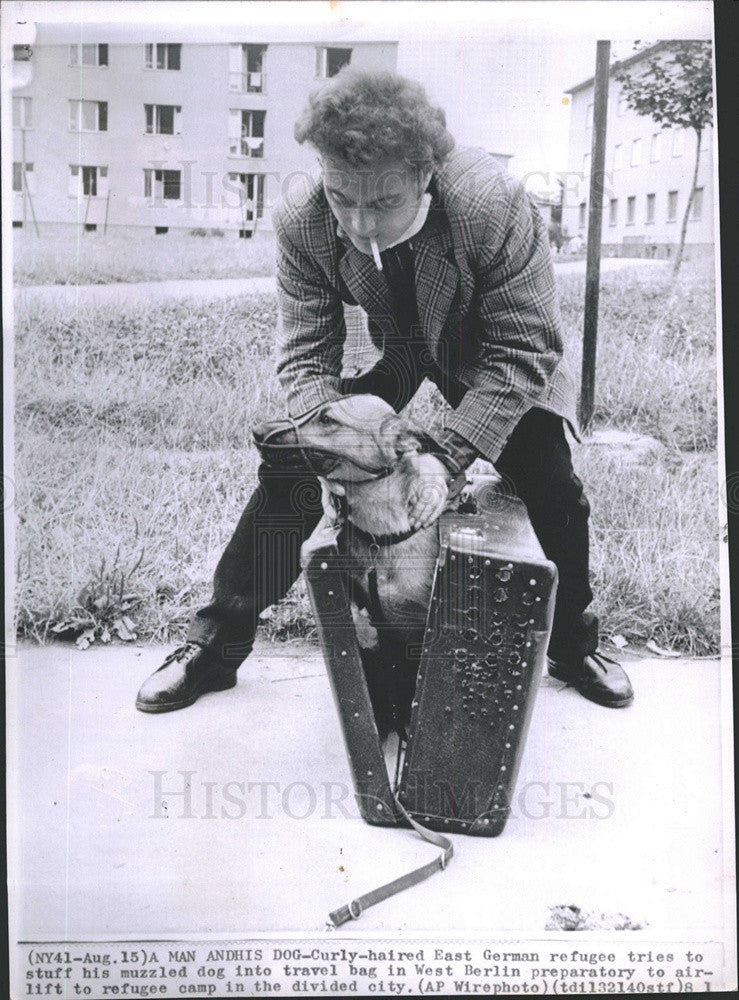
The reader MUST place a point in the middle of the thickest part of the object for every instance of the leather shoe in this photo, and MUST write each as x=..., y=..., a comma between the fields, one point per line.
x=597, y=678
x=187, y=673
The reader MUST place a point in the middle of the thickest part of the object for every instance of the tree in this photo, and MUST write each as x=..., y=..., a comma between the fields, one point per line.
x=556, y=234
x=673, y=86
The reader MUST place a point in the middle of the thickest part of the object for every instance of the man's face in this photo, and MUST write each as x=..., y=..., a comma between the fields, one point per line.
x=375, y=202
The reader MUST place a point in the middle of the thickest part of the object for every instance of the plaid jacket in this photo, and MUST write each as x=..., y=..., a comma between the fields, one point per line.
x=485, y=292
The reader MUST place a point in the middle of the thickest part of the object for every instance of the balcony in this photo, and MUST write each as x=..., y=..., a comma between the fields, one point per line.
x=247, y=145
x=246, y=83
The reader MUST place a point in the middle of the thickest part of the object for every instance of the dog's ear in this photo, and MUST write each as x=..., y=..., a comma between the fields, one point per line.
x=394, y=437
x=426, y=444
x=398, y=437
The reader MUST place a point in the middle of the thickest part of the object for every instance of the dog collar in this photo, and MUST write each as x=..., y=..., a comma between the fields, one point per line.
x=391, y=538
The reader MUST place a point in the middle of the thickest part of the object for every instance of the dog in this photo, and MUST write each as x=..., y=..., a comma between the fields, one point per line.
x=366, y=458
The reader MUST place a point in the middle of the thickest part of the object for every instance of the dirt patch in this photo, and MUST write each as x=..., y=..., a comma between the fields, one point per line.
x=571, y=918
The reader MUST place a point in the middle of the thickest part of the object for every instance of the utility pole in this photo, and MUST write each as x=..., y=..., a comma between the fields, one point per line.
x=595, y=227
x=24, y=184
x=23, y=168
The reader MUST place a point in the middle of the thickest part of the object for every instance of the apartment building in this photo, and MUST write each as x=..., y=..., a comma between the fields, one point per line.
x=649, y=172
x=163, y=129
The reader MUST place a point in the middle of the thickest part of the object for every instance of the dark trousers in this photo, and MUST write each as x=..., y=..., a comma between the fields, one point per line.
x=262, y=559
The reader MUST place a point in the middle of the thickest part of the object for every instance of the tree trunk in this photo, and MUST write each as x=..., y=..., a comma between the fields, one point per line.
x=684, y=229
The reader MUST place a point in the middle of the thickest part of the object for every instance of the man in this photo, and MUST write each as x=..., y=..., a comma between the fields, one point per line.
x=451, y=262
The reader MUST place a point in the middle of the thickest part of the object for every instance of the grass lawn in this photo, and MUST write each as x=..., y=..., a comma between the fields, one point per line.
x=134, y=460
x=93, y=259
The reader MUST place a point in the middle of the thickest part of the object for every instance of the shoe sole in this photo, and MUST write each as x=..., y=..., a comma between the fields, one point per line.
x=622, y=703
x=173, y=706
x=605, y=704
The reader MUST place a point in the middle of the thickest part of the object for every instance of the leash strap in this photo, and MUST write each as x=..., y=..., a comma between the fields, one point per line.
x=354, y=910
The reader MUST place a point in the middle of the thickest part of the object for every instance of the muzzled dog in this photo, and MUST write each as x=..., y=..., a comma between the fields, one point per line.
x=365, y=457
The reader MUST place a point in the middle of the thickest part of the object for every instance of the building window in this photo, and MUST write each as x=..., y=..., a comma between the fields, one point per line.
x=18, y=177
x=22, y=53
x=697, y=208
x=630, y=210
x=618, y=156
x=581, y=215
x=655, y=150
x=330, y=60
x=158, y=56
x=21, y=112
x=251, y=194
x=246, y=132
x=91, y=227
x=162, y=119
x=613, y=211
x=651, y=202
x=589, y=117
x=88, y=55
x=636, y=152
x=246, y=68
x=161, y=230
x=678, y=142
x=88, y=116
x=671, y=206
x=90, y=181
x=87, y=182
x=162, y=185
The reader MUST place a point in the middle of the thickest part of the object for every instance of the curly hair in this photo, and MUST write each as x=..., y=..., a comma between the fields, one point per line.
x=363, y=117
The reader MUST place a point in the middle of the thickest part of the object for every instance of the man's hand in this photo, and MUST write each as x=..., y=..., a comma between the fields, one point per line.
x=429, y=492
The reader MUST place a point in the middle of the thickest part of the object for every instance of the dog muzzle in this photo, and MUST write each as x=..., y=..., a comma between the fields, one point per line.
x=279, y=443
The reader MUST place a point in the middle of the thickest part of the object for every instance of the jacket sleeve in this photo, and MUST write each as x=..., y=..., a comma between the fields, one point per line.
x=455, y=452
x=312, y=328
x=517, y=342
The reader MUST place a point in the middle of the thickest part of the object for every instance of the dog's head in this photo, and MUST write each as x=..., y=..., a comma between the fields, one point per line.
x=346, y=440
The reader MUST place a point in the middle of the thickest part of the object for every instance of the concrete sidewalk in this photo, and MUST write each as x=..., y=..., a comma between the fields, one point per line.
x=611, y=265
x=75, y=296
x=236, y=814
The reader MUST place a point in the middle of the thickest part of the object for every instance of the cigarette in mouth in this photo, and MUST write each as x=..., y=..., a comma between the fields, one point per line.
x=376, y=255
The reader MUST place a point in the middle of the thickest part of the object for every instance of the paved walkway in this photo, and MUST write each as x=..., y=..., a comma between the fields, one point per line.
x=219, y=818
x=610, y=265
x=144, y=291
x=82, y=295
